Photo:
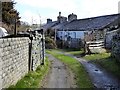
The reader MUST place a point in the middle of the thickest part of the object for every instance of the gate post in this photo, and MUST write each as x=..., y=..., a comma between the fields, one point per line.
x=43, y=48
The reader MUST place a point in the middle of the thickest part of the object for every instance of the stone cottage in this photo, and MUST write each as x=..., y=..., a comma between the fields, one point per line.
x=75, y=32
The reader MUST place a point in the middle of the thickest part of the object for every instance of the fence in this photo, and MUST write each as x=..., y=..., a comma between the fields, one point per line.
x=95, y=46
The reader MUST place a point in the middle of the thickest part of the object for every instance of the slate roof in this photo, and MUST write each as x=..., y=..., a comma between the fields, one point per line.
x=91, y=23
x=49, y=25
x=60, y=26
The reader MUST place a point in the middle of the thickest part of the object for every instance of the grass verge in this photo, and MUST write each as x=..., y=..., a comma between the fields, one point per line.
x=105, y=61
x=97, y=56
x=77, y=53
x=82, y=78
x=33, y=78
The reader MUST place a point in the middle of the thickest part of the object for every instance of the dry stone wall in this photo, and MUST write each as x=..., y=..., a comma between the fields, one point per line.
x=14, y=60
x=37, y=52
x=108, y=38
x=18, y=56
x=116, y=47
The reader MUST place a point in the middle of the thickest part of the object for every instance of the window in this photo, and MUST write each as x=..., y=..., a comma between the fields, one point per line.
x=74, y=34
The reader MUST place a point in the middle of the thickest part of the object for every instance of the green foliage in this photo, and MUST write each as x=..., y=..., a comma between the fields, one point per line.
x=75, y=53
x=103, y=59
x=23, y=27
x=50, y=43
x=33, y=78
x=50, y=33
x=9, y=13
x=97, y=56
x=106, y=61
x=110, y=65
x=81, y=76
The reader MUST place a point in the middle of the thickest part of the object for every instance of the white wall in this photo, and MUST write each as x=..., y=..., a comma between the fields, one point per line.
x=72, y=34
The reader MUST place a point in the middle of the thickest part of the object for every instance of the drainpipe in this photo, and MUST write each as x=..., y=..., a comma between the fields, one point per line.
x=63, y=39
x=55, y=35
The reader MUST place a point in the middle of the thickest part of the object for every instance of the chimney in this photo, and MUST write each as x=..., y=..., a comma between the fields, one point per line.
x=59, y=14
x=49, y=21
x=61, y=19
x=72, y=17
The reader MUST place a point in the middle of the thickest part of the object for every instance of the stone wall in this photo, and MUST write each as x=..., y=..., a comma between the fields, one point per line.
x=37, y=51
x=18, y=56
x=116, y=47
x=108, y=38
x=14, y=59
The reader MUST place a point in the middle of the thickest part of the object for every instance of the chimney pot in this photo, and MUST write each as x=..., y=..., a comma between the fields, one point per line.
x=59, y=13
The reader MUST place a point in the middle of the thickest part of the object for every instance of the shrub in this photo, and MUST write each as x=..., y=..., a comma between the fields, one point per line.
x=50, y=43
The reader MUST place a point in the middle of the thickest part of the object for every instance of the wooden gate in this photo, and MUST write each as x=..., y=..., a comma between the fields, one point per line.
x=96, y=46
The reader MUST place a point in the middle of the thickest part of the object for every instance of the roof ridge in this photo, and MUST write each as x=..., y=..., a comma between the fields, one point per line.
x=98, y=16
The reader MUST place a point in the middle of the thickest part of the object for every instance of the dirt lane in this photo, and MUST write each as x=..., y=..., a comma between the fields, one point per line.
x=100, y=77
x=59, y=76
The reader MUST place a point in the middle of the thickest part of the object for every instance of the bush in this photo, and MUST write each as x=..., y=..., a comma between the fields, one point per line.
x=50, y=43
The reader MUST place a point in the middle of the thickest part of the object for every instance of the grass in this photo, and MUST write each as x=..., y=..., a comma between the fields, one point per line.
x=110, y=65
x=33, y=78
x=82, y=78
x=75, y=53
x=97, y=56
x=105, y=61
x=70, y=51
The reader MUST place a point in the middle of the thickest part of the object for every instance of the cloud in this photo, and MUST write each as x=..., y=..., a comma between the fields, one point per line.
x=34, y=18
x=5, y=0
x=64, y=5
x=30, y=17
x=50, y=8
x=98, y=7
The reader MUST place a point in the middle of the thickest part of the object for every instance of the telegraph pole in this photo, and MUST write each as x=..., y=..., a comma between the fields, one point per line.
x=40, y=20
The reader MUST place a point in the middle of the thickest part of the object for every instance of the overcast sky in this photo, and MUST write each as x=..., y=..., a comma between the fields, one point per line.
x=33, y=10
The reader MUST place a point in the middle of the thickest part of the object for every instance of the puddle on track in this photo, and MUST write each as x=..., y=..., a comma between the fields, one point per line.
x=99, y=77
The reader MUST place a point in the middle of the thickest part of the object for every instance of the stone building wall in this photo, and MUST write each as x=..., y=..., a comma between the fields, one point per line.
x=116, y=47
x=14, y=54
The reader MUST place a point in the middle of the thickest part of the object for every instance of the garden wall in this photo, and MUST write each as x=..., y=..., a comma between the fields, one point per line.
x=14, y=59
x=18, y=55
x=116, y=47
